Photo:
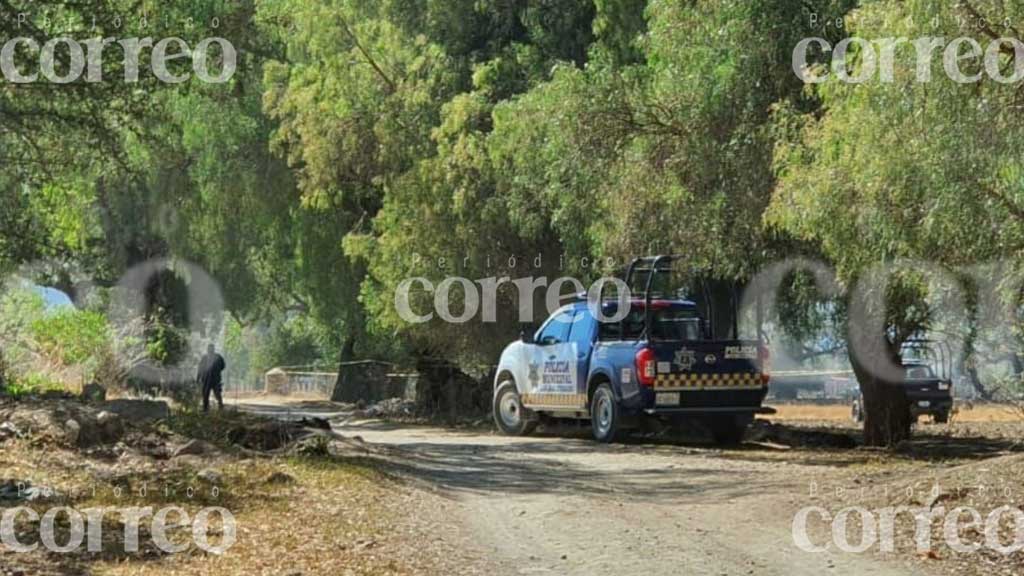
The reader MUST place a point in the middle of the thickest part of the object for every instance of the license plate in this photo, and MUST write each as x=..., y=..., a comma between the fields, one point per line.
x=667, y=399
x=924, y=403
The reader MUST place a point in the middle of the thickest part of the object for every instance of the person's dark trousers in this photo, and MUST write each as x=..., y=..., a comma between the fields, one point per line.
x=216, y=389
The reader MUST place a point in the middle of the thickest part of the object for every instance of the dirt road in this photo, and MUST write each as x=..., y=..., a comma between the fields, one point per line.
x=566, y=505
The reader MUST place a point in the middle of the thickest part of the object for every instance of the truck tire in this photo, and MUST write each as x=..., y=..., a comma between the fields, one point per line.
x=727, y=431
x=941, y=417
x=605, y=419
x=509, y=414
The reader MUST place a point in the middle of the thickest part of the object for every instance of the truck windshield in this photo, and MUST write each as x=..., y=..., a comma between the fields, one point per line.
x=919, y=373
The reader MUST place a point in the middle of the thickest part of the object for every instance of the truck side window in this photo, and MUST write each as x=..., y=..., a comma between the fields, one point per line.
x=556, y=330
x=582, y=331
x=609, y=331
x=633, y=323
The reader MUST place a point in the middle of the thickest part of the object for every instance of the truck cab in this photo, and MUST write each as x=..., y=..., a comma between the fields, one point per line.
x=656, y=361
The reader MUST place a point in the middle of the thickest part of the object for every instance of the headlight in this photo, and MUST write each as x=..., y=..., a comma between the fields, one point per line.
x=943, y=386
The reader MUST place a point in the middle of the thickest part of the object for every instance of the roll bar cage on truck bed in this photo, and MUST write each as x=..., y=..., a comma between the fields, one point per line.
x=652, y=265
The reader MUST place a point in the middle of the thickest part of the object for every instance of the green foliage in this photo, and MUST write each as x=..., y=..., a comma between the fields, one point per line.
x=31, y=384
x=906, y=169
x=74, y=336
x=925, y=171
x=619, y=25
x=166, y=343
x=361, y=142
x=293, y=342
x=18, y=309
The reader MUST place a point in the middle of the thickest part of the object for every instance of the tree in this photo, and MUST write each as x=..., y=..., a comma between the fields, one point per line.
x=905, y=170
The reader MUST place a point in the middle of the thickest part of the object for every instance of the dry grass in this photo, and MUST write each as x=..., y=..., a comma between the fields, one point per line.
x=336, y=518
x=328, y=516
x=979, y=413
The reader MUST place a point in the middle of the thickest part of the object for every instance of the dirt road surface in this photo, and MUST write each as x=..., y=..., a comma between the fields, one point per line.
x=562, y=504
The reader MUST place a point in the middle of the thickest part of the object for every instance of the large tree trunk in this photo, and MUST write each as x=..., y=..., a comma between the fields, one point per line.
x=878, y=366
x=967, y=360
x=887, y=418
x=346, y=355
x=720, y=302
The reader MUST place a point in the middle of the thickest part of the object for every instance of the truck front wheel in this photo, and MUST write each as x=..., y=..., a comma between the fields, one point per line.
x=605, y=418
x=509, y=414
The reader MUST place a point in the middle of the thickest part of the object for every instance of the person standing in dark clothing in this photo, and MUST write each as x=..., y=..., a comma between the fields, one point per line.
x=209, y=376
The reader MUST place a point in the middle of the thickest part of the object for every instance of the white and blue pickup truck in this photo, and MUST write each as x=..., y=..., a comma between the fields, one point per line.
x=656, y=362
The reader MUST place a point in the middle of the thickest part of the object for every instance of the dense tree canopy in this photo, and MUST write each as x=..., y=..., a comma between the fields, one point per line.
x=361, y=144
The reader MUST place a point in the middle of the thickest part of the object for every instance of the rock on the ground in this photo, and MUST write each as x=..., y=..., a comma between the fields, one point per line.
x=210, y=476
x=193, y=448
x=11, y=489
x=110, y=424
x=93, y=393
x=8, y=430
x=390, y=408
x=279, y=477
x=69, y=423
x=72, y=432
x=23, y=490
x=138, y=411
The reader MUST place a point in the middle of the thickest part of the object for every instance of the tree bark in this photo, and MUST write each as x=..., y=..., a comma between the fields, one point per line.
x=722, y=308
x=346, y=355
x=877, y=364
x=887, y=418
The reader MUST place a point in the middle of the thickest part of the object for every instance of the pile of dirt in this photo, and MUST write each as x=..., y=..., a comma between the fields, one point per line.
x=265, y=435
x=390, y=409
x=145, y=427
x=65, y=421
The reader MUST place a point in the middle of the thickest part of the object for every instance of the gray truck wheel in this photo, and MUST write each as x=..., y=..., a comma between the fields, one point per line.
x=509, y=414
x=605, y=419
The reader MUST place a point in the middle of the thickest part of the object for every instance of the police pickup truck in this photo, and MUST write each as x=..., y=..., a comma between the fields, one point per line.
x=656, y=362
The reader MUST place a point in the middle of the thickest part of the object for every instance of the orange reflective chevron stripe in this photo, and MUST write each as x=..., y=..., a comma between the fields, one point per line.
x=690, y=381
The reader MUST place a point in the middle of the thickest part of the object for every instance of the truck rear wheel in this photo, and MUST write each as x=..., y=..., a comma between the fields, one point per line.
x=605, y=419
x=509, y=414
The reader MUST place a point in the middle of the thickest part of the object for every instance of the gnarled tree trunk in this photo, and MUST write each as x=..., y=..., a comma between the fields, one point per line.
x=877, y=363
x=887, y=418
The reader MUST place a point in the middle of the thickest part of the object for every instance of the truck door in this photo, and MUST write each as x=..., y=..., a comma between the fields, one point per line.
x=553, y=364
x=582, y=335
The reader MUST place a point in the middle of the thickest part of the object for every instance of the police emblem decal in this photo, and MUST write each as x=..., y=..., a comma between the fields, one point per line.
x=534, y=375
x=685, y=358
